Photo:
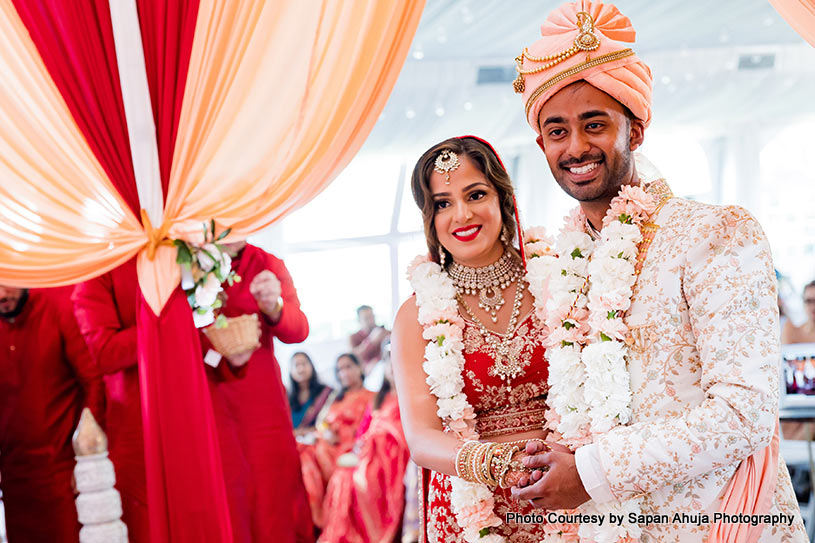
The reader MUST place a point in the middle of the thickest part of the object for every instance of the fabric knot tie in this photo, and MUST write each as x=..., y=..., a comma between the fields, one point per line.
x=155, y=236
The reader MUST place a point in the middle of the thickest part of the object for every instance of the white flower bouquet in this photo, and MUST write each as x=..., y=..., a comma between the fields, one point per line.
x=204, y=270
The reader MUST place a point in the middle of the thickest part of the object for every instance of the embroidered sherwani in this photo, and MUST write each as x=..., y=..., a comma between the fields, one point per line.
x=704, y=374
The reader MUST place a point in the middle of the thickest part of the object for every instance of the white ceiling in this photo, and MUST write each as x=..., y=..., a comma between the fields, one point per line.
x=692, y=46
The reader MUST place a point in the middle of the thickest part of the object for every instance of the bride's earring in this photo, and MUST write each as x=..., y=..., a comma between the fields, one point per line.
x=442, y=257
x=504, y=238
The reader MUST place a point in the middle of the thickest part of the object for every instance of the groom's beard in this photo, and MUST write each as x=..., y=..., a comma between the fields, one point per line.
x=616, y=172
x=17, y=308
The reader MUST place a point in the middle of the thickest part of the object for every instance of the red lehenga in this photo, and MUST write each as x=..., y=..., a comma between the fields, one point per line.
x=370, y=495
x=319, y=460
x=499, y=411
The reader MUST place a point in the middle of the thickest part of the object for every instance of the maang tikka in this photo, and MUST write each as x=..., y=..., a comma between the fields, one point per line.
x=446, y=162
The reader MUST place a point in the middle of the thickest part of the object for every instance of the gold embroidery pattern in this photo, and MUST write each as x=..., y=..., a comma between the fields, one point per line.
x=703, y=368
x=525, y=341
x=511, y=419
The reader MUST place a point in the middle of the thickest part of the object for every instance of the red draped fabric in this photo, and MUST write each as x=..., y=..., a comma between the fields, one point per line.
x=75, y=41
x=167, y=29
x=185, y=486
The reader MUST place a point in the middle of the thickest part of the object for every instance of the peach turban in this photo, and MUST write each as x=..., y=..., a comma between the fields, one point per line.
x=582, y=40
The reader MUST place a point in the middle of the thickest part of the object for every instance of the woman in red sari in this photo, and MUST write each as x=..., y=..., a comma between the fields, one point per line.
x=335, y=434
x=367, y=485
x=467, y=203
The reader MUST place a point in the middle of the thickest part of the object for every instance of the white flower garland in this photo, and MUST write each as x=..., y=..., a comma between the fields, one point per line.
x=590, y=286
x=472, y=503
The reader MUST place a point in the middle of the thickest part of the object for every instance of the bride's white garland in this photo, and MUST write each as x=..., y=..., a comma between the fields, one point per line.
x=590, y=285
x=472, y=503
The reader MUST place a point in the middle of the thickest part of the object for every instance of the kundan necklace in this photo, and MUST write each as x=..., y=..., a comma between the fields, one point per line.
x=507, y=363
x=489, y=281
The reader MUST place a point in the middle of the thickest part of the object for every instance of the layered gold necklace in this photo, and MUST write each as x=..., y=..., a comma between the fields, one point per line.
x=489, y=281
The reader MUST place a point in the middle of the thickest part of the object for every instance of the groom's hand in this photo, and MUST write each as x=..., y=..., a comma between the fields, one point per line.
x=557, y=485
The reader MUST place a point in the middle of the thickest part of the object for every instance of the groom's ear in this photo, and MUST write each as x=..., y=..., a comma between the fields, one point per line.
x=539, y=141
x=636, y=134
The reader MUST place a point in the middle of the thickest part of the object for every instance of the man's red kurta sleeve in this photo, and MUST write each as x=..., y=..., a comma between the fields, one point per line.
x=111, y=343
x=292, y=327
x=79, y=357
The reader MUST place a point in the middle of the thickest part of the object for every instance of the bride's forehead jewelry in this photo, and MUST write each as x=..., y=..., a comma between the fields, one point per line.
x=446, y=162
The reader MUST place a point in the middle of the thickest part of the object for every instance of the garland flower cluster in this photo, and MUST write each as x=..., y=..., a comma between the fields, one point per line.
x=204, y=268
x=472, y=503
x=582, y=290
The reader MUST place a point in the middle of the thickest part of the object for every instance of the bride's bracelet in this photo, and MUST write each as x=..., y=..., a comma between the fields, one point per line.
x=488, y=463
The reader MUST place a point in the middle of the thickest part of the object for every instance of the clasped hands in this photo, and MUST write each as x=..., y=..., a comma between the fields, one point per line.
x=549, y=479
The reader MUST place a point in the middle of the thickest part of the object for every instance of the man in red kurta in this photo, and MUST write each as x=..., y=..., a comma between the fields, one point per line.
x=105, y=309
x=46, y=377
x=366, y=343
x=268, y=501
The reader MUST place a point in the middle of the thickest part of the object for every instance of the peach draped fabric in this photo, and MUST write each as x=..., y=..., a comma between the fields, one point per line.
x=279, y=97
x=750, y=492
x=61, y=220
x=800, y=15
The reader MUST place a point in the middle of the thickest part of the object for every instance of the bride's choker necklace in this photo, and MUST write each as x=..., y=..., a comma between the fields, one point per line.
x=488, y=281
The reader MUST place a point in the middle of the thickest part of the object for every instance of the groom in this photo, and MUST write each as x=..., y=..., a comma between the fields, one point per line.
x=702, y=346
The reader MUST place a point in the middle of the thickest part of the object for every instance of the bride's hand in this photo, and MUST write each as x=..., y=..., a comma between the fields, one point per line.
x=518, y=474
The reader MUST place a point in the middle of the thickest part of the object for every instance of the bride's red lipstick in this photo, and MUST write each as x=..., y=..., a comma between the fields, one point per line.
x=468, y=237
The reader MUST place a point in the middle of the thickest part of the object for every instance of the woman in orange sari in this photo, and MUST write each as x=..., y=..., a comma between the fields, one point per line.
x=335, y=433
x=367, y=485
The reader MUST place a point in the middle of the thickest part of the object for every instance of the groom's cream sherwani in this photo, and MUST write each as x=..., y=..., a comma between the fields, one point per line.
x=704, y=373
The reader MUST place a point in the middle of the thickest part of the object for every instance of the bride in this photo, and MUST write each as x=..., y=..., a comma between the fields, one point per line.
x=468, y=350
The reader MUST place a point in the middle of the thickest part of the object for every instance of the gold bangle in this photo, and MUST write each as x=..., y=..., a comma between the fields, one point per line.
x=478, y=462
x=487, y=465
x=278, y=306
x=462, y=459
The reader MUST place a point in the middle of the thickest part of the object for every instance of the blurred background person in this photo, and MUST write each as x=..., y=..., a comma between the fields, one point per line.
x=368, y=482
x=335, y=433
x=806, y=332
x=46, y=377
x=797, y=430
x=267, y=498
x=307, y=394
x=366, y=343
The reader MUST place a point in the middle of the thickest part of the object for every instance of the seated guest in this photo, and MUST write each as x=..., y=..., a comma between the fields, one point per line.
x=335, y=433
x=307, y=395
x=46, y=377
x=806, y=332
x=366, y=343
x=367, y=485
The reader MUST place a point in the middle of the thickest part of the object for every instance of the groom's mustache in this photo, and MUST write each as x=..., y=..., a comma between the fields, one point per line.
x=582, y=160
